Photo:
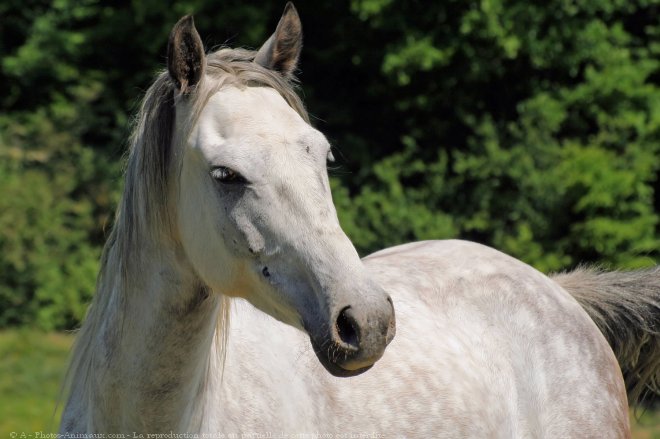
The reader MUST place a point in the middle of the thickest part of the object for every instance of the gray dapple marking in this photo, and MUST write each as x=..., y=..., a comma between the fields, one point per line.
x=227, y=202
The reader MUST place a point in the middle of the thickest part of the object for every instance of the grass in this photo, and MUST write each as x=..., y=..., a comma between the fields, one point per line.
x=32, y=366
x=31, y=369
x=646, y=426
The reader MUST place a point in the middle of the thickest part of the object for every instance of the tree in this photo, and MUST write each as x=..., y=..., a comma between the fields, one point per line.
x=532, y=128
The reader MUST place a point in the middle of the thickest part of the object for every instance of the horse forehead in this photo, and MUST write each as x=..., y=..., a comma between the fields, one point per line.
x=250, y=111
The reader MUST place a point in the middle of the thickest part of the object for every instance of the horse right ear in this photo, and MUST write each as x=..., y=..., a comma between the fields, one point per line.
x=185, y=55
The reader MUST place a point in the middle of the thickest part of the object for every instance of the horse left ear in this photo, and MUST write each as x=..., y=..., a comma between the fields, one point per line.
x=185, y=55
x=282, y=50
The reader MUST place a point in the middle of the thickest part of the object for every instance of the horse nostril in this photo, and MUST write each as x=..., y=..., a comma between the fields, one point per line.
x=347, y=328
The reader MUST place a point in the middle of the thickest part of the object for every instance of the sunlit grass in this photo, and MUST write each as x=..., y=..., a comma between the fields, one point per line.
x=32, y=366
x=31, y=369
x=646, y=425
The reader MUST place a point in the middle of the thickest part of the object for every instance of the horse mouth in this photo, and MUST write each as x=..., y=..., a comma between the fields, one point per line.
x=332, y=367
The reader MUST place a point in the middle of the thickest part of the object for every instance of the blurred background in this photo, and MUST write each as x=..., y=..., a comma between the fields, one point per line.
x=532, y=127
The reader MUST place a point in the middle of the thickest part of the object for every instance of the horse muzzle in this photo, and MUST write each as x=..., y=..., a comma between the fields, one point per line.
x=356, y=337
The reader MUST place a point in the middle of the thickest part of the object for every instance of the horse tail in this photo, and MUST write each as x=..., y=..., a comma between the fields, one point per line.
x=625, y=305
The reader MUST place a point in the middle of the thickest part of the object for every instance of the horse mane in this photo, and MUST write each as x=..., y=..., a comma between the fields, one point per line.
x=144, y=210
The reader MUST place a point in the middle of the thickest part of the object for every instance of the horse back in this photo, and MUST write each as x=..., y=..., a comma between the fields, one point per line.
x=495, y=348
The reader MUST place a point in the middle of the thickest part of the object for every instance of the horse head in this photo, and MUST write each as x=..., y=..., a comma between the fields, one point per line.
x=254, y=212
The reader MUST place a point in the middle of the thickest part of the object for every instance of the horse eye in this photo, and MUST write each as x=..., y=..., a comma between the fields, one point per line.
x=227, y=175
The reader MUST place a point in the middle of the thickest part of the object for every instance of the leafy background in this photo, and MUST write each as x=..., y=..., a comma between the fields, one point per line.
x=533, y=127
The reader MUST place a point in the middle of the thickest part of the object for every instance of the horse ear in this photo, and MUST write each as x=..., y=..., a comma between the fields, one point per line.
x=185, y=55
x=282, y=50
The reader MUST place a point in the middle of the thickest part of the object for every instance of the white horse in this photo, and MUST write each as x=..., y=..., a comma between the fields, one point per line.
x=227, y=216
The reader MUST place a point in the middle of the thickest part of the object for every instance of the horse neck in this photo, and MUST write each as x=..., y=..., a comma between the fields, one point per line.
x=150, y=339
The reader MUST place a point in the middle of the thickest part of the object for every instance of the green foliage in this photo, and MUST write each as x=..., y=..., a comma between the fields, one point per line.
x=530, y=127
x=397, y=208
x=48, y=263
x=540, y=121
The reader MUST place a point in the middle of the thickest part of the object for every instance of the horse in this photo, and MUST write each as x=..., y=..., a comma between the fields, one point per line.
x=230, y=302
